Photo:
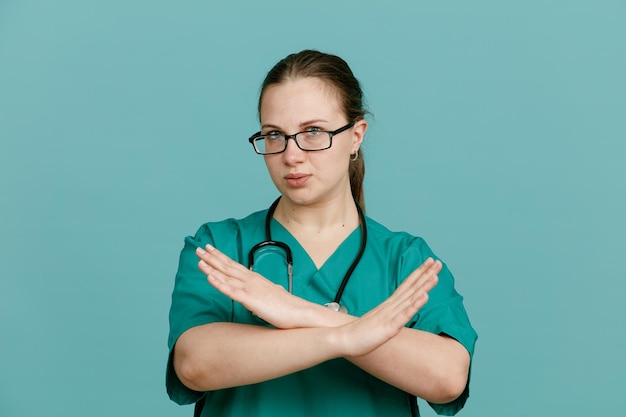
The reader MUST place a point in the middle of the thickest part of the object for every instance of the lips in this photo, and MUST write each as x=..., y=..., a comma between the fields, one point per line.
x=297, y=179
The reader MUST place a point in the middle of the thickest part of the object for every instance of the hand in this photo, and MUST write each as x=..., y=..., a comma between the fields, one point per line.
x=385, y=321
x=271, y=302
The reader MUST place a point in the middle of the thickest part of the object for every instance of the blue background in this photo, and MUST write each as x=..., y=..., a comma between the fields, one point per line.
x=498, y=135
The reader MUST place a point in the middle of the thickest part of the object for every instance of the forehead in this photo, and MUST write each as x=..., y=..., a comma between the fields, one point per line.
x=300, y=98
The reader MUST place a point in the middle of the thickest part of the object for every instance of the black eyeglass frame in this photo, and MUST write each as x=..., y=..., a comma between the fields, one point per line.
x=258, y=135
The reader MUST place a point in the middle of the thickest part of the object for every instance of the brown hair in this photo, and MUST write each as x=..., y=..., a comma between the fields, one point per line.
x=336, y=72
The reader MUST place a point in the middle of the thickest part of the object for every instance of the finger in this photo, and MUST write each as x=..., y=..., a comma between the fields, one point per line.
x=225, y=287
x=418, y=302
x=405, y=310
x=419, y=272
x=430, y=269
x=414, y=295
x=424, y=273
x=217, y=275
x=420, y=297
x=213, y=257
x=415, y=281
x=405, y=314
x=219, y=261
x=419, y=291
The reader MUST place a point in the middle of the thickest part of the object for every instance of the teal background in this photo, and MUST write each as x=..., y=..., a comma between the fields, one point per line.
x=498, y=135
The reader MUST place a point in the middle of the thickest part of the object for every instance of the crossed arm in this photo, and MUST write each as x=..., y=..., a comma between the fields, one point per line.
x=221, y=355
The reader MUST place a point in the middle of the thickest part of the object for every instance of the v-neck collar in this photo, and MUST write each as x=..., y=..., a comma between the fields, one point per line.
x=332, y=271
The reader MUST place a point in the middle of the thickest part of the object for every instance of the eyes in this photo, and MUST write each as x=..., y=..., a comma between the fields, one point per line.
x=274, y=135
x=310, y=132
x=311, y=139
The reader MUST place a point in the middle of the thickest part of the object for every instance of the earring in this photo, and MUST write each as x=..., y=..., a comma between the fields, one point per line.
x=354, y=156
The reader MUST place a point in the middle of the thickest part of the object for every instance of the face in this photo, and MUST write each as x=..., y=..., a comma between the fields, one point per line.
x=308, y=178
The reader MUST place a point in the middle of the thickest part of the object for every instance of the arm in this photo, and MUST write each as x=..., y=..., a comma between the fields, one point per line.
x=222, y=355
x=429, y=366
x=310, y=334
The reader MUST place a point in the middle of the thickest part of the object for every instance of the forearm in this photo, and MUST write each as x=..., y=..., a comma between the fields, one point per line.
x=222, y=355
x=430, y=366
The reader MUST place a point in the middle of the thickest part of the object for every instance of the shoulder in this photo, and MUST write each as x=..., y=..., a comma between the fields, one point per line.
x=396, y=241
x=227, y=227
x=227, y=235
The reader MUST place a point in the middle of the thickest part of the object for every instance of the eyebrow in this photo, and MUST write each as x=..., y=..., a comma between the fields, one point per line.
x=302, y=125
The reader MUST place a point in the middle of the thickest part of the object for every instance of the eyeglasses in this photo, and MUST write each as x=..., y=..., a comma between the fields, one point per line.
x=309, y=140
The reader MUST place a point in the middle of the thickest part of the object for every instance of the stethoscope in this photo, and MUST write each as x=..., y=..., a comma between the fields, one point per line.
x=333, y=305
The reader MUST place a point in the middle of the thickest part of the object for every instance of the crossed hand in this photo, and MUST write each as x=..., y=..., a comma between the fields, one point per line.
x=272, y=303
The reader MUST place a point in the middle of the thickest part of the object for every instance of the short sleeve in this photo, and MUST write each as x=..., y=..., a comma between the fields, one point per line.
x=194, y=302
x=444, y=313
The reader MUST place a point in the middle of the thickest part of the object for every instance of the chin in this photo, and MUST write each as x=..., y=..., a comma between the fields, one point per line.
x=298, y=200
x=299, y=197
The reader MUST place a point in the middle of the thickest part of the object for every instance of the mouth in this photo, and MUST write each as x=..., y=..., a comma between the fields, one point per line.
x=294, y=176
x=297, y=179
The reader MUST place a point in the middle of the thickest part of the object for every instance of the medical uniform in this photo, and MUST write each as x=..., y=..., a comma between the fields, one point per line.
x=336, y=387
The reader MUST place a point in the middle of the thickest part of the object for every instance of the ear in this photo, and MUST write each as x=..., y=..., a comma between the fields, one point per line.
x=359, y=129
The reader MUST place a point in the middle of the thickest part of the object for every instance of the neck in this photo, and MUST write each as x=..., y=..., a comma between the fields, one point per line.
x=339, y=213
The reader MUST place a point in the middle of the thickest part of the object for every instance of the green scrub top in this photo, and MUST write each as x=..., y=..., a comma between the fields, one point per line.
x=336, y=387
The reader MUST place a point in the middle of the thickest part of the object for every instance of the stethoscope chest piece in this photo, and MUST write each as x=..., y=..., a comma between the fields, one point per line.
x=336, y=307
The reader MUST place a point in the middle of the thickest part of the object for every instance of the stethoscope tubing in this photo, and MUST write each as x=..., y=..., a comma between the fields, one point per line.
x=289, y=257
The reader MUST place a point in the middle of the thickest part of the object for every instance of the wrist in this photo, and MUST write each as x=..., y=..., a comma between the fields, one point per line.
x=322, y=316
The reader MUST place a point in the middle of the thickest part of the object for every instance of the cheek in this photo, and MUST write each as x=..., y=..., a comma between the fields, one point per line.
x=271, y=165
x=331, y=166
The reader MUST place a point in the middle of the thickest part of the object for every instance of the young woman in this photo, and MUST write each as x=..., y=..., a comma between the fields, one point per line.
x=309, y=308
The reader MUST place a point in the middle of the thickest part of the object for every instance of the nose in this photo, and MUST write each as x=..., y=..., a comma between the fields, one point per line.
x=292, y=153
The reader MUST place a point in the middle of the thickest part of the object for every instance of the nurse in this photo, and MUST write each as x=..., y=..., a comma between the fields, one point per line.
x=362, y=322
